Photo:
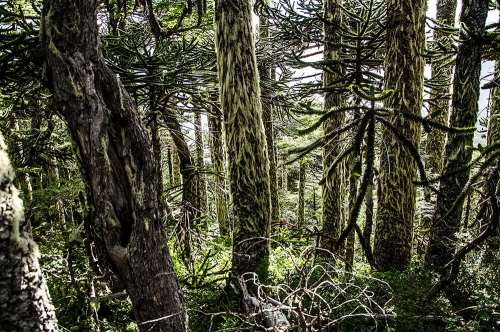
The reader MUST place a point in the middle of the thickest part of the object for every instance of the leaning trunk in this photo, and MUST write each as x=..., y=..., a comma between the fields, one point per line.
x=247, y=159
x=118, y=165
x=404, y=70
x=464, y=108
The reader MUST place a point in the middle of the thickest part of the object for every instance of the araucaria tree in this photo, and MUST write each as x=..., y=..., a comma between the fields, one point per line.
x=464, y=107
x=332, y=189
x=24, y=297
x=247, y=158
x=117, y=161
x=404, y=69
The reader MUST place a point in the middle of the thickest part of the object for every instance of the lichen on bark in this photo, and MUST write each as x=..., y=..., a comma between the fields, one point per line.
x=247, y=158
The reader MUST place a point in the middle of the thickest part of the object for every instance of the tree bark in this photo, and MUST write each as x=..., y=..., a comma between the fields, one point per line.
x=464, y=108
x=333, y=218
x=118, y=165
x=302, y=191
x=404, y=70
x=200, y=164
x=248, y=162
x=176, y=178
x=218, y=161
x=265, y=73
x=445, y=14
x=24, y=297
x=494, y=116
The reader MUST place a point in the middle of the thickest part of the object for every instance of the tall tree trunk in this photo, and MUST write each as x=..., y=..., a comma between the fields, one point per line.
x=54, y=180
x=176, y=177
x=494, y=116
x=302, y=191
x=117, y=161
x=333, y=188
x=248, y=162
x=24, y=297
x=190, y=177
x=200, y=163
x=353, y=193
x=368, y=228
x=28, y=189
x=404, y=70
x=445, y=14
x=266, y=73
x=157, y=151
x=464, y=108
x=284, y=172
x=218, y=161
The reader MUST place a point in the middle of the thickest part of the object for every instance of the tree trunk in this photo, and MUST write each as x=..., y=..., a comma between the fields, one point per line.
x=248, y=165
x=190, y=178
x=494, y=116
x=333, y=187
x=464, y=108
x=284, y=173
x=200, y=164
x=157, y=151
x=219, y=171
x=445, y=14
x=353, y=193
x=404, y=70
x=117, y=161
x=24, y=297
x=176, y=165
x=302, y=190
x=265, y=73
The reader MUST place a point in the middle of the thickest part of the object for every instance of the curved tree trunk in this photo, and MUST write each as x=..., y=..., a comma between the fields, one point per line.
x=464, y=108
x=24, y=297
x=114, y=149
x=404, y=70
x=248, y=165
x=334, y=185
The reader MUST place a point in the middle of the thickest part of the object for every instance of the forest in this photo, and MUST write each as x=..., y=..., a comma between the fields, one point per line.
x=237, y=165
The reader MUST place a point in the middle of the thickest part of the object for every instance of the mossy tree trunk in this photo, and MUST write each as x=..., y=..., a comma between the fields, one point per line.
x=189, y=175
x=464, y=108
x=284, y=172
x=176, y=178
x=494, y=116
x=157, y=146
x=333, y=187
x=117, y=161
x=217, y=155
x=441, y=77
x=24, y=297
x=404, y=70
x=265, y=73
x=200, y=164
x=247, y=159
